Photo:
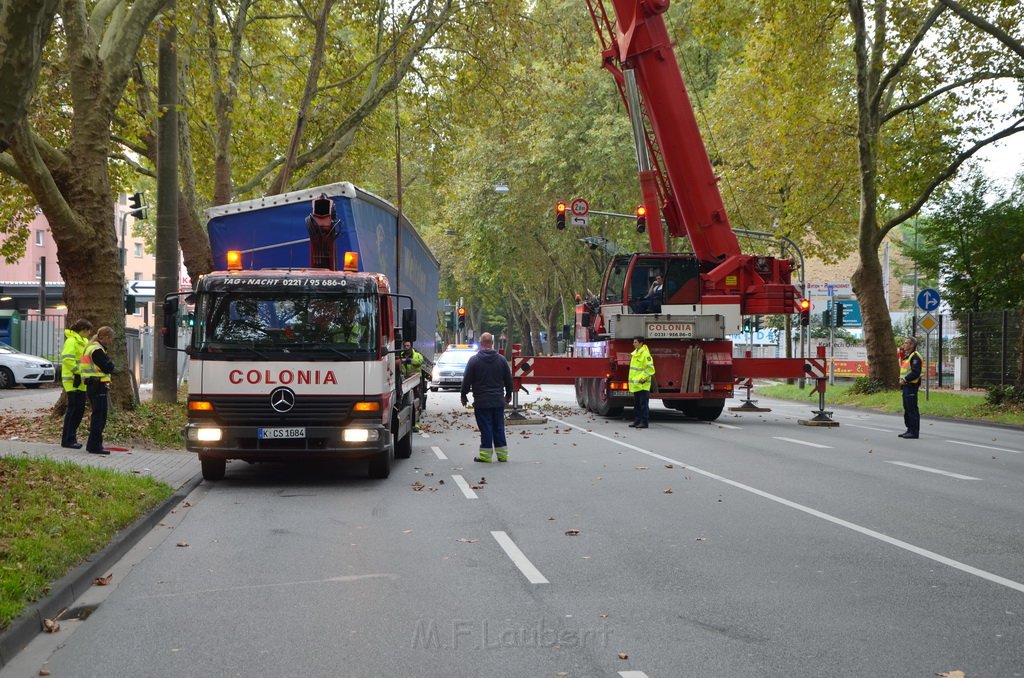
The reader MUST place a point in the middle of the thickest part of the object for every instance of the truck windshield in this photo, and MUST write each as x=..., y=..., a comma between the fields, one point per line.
x=296, y=322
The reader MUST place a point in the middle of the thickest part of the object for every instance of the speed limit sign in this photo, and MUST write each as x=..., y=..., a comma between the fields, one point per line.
x=580, y=207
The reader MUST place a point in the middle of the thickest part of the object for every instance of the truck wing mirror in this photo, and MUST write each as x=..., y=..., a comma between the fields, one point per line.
x=170, y=324
x=409, y=324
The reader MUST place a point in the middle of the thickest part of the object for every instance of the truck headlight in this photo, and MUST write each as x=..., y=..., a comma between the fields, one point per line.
x=359, y=435
x=205, y=435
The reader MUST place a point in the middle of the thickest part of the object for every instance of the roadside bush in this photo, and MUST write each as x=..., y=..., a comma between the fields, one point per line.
x=1005, y=396
x=866, y=386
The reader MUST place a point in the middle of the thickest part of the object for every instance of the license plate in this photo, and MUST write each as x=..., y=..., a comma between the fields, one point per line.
x=280, y=432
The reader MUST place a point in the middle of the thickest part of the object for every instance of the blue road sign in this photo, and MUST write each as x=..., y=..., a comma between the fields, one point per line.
x=928, y=299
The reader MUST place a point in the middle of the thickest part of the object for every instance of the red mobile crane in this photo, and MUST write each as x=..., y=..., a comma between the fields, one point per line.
x=705, y=293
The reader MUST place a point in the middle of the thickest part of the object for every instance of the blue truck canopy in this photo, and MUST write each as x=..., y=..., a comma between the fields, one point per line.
x=271, y=233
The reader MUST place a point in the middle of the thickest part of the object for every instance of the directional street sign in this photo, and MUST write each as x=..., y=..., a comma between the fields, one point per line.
x=928, y=299
x=140, y=289
x=580, y=220
x=927, y=323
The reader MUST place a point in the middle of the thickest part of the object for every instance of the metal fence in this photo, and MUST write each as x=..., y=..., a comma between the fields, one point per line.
x=977, y=350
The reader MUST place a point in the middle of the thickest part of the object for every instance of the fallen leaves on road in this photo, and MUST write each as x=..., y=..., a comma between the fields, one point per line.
x=951, y=674
x=51, y=625
x=623, y=655
x=463, y=540
x=418, y=486
x=669, y=466
x=103, y=581
x=183, y=544
x=571, y=532
x=667, y=490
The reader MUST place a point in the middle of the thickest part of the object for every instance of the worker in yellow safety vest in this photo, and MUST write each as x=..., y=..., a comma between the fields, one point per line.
x=76, y=339
x=96, y=367
x=910, y=382
x=641, y=376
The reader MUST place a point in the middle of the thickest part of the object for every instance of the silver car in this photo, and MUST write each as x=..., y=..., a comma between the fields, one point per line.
x=449, y=366
x=21, y=368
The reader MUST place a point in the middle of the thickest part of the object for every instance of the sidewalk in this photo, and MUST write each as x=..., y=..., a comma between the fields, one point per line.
x=174, y=467
x=177, y=468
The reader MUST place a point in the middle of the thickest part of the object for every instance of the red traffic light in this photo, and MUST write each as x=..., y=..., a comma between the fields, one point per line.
x=805, y=305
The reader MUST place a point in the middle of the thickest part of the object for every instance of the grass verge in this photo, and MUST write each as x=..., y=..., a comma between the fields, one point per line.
x=150, y=425
x=939, y=403
x=53, y=515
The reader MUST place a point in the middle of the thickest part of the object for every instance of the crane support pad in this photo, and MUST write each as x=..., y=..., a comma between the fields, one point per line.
x=554, y=370
x=784, y=368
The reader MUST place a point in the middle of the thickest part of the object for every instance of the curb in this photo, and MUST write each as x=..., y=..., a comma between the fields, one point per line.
x=66, y=590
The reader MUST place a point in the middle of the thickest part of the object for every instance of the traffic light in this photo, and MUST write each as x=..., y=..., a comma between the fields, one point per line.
x=826, y=318
x=839, y=315
x=135, y=201
x=449, y=319
x=190, y=319
x=462, y=317
x=129, y=304
x=559, y=224
x=757, y=323
x=641, y=219
x=805, y=312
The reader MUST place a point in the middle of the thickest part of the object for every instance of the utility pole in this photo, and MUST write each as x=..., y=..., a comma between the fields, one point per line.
x=165, y=367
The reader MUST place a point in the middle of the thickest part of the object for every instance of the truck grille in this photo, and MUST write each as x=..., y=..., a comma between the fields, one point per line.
x=308, y=411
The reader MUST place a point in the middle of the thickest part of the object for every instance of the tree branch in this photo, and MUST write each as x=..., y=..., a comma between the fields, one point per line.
x=951, y=169
x=977, y=77
x=908, y=52
x=40, y=180
x=983, y=25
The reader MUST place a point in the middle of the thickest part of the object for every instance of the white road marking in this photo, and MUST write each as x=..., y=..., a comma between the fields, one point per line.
x=803, y=442
x=963, y=567
x=872, y=428
x=933, y=470
x=532, y=574
x=632, y=674
x=987, y=447
x=464, y=486
x=438, y=452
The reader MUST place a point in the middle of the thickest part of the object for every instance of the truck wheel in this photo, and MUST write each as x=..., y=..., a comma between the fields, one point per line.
x=601, y=402
x=213, y=469
x=581, y=393
x=709, y=410
x=381, y=468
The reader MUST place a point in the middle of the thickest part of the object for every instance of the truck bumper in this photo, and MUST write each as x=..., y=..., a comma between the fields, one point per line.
x=319, y=443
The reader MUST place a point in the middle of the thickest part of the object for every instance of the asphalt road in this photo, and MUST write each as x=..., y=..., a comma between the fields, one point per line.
x=750, y=546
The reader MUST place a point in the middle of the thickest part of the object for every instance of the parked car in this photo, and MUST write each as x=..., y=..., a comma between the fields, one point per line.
x=21, y=368
x=450, y=365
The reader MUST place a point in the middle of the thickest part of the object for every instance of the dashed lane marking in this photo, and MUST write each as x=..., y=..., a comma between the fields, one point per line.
x=987, y=447
x=438, y=452
x=872, y=428
x=531, y=573
x=803, y=442
x=933, y=470
x=464, y=486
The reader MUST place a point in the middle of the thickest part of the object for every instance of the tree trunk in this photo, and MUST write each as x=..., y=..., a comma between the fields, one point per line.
x=878, y=335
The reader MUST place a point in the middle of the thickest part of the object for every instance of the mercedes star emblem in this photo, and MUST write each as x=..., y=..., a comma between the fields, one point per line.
x=282, y=400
